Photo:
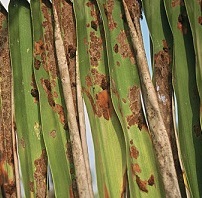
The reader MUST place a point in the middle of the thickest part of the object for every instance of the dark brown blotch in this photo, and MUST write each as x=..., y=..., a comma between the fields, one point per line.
x=141, y=184
x=151, y=181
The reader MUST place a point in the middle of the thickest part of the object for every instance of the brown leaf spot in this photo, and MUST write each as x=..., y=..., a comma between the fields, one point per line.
x=134, y=153
x=35, y=94
x=47, y=86
x=38, y=47
x=124, y=48
x=60, y=111
x=136, y=118
x=40, y=174
x=37, y=64
x=88, y=81
x=141, y=184
x=95, y=50
x=94, y=25
x=34, y=91
x=182, y=23
x=53, y=133
x=116, y=48
x=151, y=181
x=131, y=141
x=200, y=20
x=108, y=8
x=135, y=168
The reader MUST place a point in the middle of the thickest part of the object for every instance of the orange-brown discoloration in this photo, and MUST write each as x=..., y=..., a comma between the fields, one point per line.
x=141, y=184
x=134, y=153
x=106, y=192
x=103, y=102
x=135, y=168
x=38, y=47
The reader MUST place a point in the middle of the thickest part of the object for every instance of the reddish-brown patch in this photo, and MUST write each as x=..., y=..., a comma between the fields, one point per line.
x=177, y=3
x=151, y=181
x=182, y=23
x=60, y=111
x=124, y=48
x=88, y=81
x=134, y=153
x=137, y=117
x=103, y=101
x=53, y=133
x=118, y=63
x=38, y=47
x=108, y=7
x=135, y=169
x=71, y=194
x=101, y=104
x=141, y=184
x=200, y=20
x=95, y=49
x=40, y=174
x=106, y=192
